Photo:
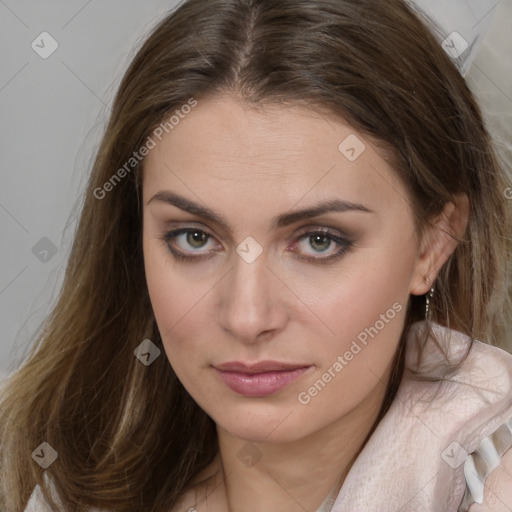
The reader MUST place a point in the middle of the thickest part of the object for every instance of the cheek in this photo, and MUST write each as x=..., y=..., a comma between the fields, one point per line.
x=370, y=288
x=174, y=300
x=175, y=309
x=172, y=288
x=366, y=315
x=363, y=300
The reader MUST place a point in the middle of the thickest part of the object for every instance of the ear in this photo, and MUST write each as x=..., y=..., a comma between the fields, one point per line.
x=439, y=242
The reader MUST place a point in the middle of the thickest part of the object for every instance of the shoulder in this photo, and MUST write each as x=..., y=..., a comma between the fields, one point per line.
x=497, y=488
x=188, y=502
x=36, y=502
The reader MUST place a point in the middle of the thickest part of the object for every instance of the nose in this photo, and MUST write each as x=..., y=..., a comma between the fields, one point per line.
x=252, y=304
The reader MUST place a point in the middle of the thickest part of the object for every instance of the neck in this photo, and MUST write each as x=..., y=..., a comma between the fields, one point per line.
x=299, y=474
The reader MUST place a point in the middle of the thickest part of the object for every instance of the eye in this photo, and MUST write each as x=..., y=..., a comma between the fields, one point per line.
x=320, y=240
x=193, y=237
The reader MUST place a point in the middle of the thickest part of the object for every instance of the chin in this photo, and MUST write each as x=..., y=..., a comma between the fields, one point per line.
x=264, y=424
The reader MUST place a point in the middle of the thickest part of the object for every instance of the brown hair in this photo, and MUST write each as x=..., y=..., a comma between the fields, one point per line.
x=129, y=437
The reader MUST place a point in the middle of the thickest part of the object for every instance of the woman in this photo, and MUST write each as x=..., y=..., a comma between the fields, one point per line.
x=322, y=344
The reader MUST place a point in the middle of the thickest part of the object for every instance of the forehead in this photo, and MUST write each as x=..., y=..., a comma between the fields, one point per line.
x=223, y=149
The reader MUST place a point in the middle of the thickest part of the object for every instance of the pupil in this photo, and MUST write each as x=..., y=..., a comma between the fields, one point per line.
x=315, y=238
x=196, y=237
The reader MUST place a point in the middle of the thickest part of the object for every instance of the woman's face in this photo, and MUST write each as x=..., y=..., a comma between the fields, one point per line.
x=301, y=255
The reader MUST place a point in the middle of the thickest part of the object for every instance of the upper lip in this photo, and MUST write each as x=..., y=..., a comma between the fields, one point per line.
x=259, y=366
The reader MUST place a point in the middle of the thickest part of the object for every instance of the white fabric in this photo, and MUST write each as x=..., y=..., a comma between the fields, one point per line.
x=414, y=460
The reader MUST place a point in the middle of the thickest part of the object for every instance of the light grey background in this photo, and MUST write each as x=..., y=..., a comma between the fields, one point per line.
x=53, y=112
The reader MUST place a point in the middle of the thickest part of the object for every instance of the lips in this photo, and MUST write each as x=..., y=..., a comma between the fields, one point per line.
x=259, y=379
x=259, y=366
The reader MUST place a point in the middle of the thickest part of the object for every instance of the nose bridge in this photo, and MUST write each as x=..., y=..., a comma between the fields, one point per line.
x=250, y=297
x=250, y=282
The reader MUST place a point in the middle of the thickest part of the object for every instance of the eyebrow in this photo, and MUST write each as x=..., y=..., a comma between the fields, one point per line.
x=332, y=205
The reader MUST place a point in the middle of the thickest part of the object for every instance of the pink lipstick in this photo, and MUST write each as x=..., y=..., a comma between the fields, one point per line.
x=259, y=379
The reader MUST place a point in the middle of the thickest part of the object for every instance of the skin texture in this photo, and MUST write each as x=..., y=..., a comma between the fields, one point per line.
x=250, y=166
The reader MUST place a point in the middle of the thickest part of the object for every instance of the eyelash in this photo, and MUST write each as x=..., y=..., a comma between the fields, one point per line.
x=346, y=244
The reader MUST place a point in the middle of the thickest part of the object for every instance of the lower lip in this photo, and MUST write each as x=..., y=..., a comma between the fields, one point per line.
x=260, y=384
